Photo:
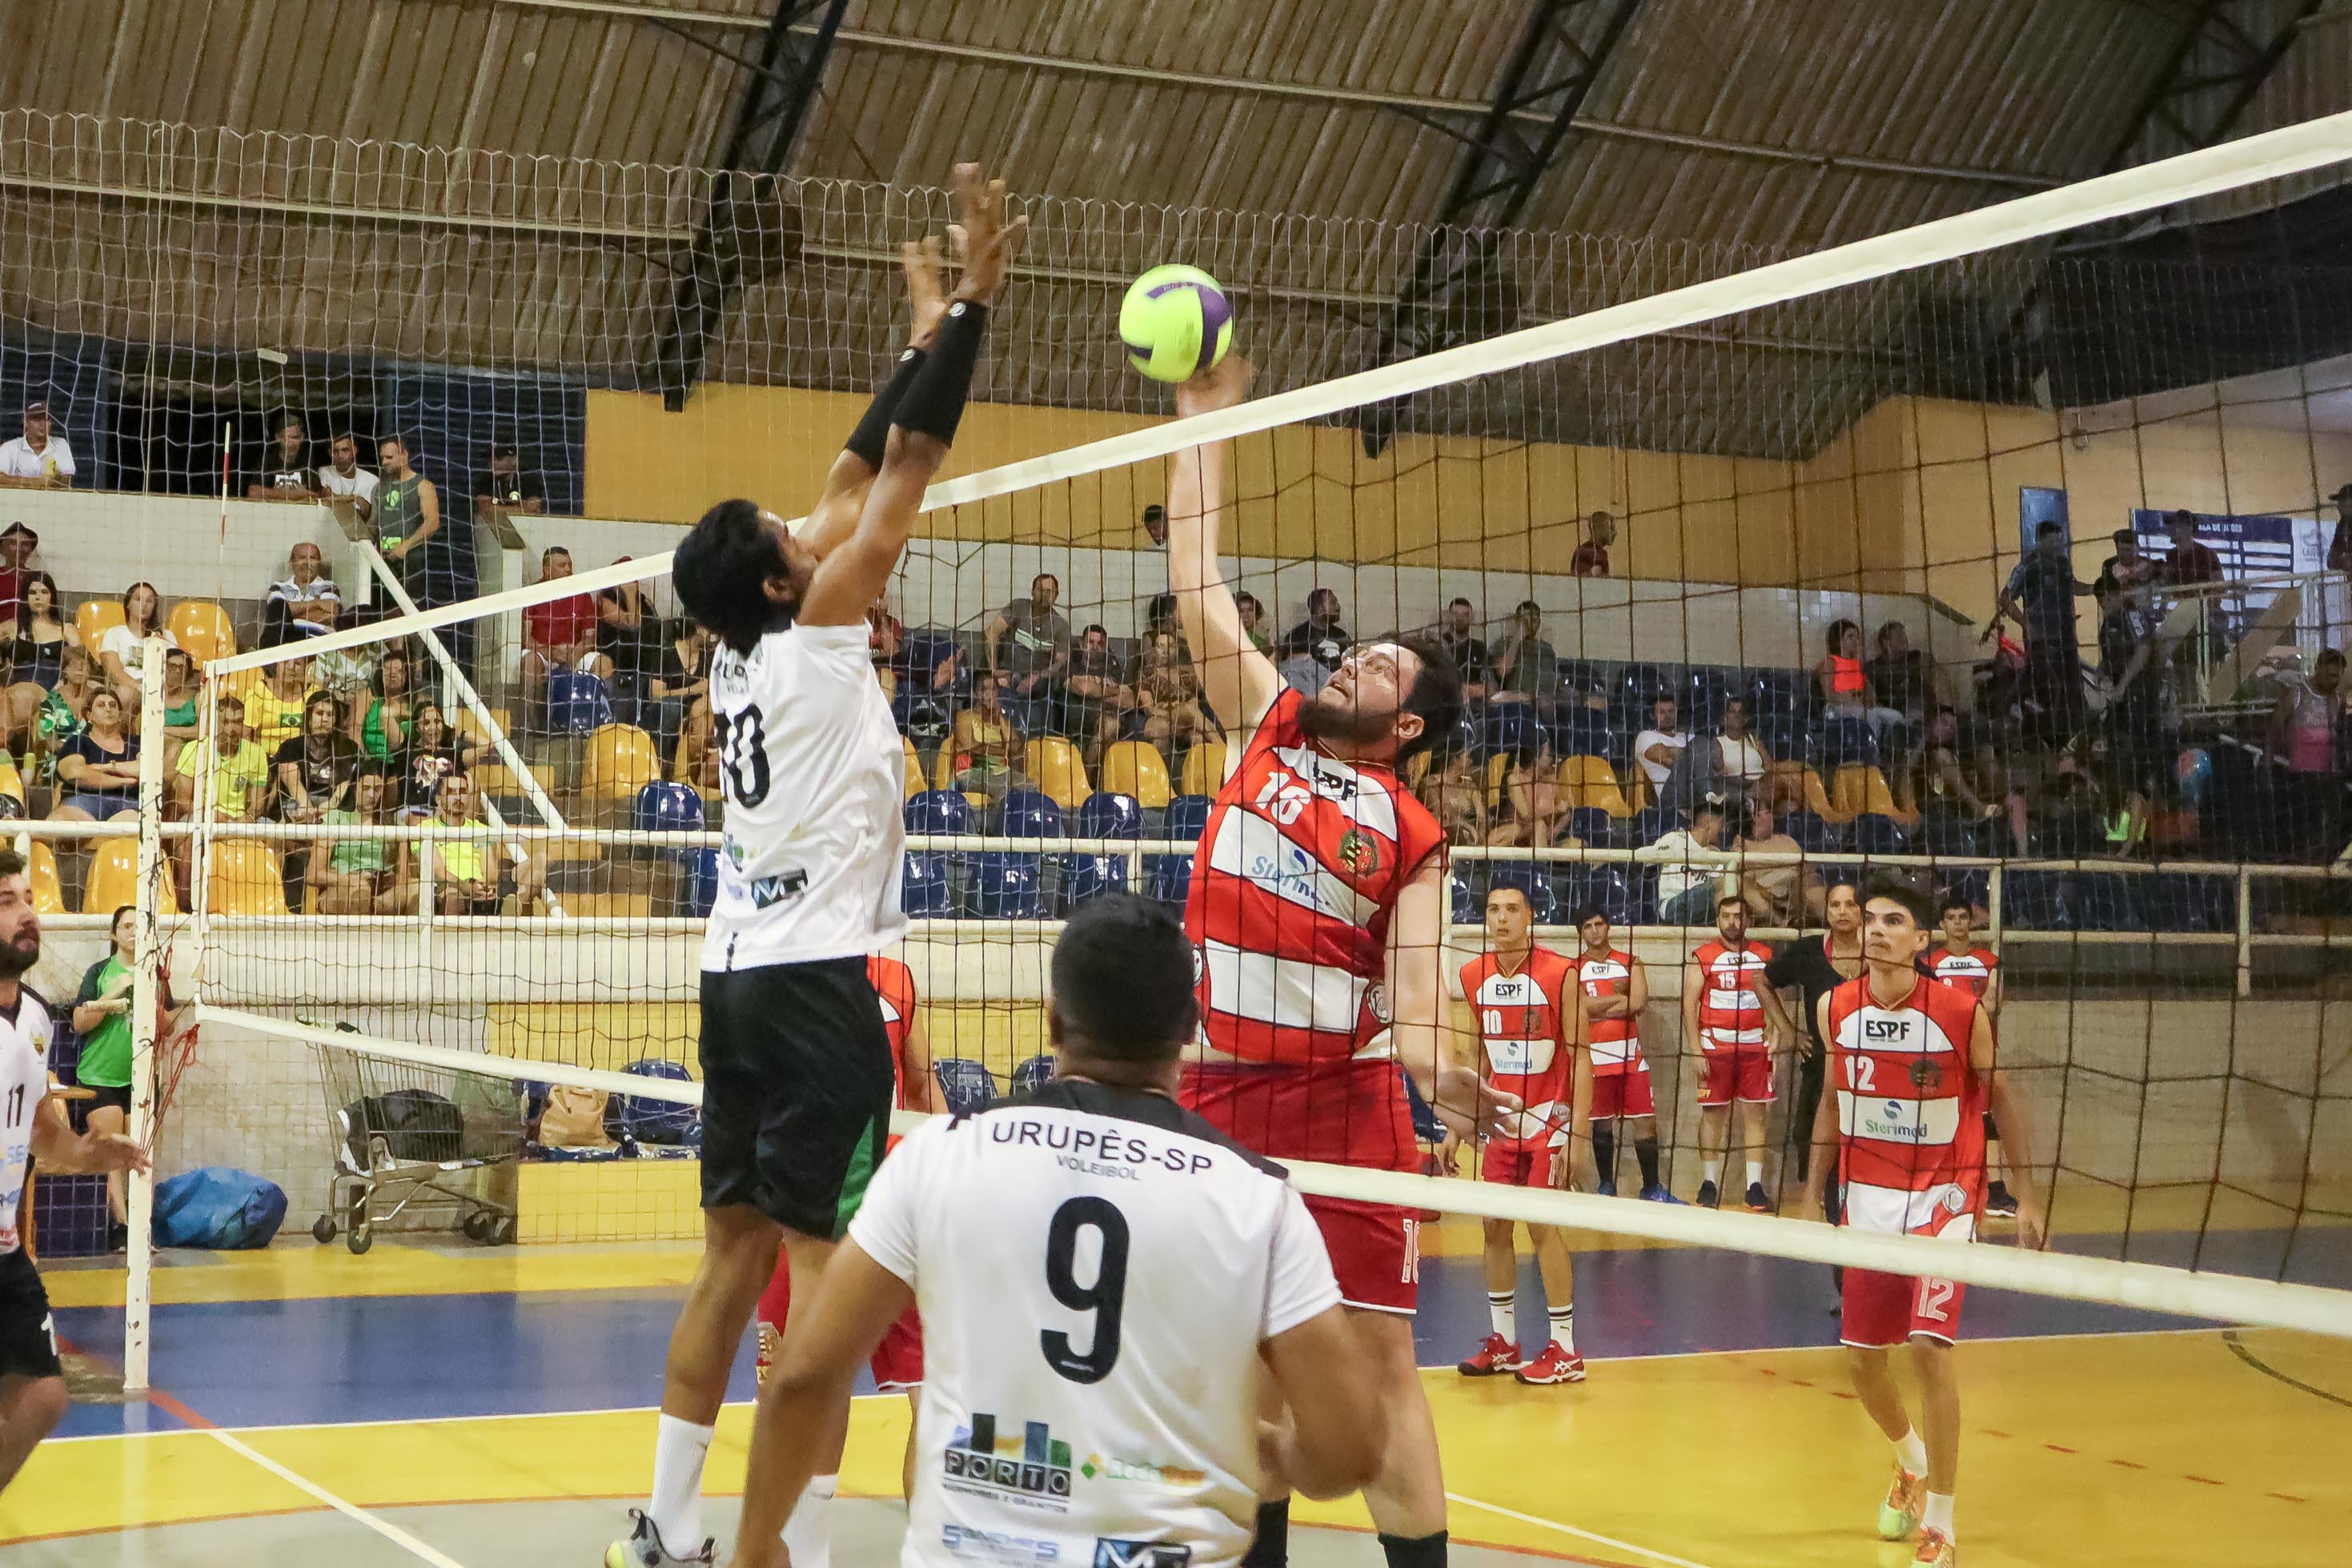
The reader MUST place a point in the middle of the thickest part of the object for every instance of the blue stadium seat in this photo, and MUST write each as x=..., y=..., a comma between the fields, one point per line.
x=2189, y=902
x=925, y=886
x=1514, y=728
x=965, y=1086
x=1610, y=890
x=1844, y=738
x=702, y=883
x=1879, y=835
x=1033, y=1074
x=669, y=809
x=1103, y=816
x=2106, y=903
x=577, y=702
x=1466, y=910
x=1775, y=692
x=1006, y=887
x=937, y=812
x=1786, y=737
x=1594, y=826
x=1811, y=832
x=1533, y=878
x=1029, y=814
x=2036, y=900
x=1167, y=877
x=1581, y=732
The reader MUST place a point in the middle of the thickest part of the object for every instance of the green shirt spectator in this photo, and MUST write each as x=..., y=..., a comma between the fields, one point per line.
x=106, y=1050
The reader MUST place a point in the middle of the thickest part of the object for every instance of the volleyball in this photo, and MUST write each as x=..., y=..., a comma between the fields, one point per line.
x=1176, y=322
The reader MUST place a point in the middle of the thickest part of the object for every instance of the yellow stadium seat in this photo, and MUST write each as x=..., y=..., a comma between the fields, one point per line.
x=1592, y=781
x=914, y=766
x=48, y=897
x=1136, y=767
x=244, y=879
x=1059, y=771
x=498, y=778
x=202, y=628
x=1416, y=767
x=114, y=880
x=621, y=761
x=1818, y=801
x=1498, y=775
x=95, y=619
x=12, y=783
x=461, y=720
x=1204, y=767
x=1879, y=798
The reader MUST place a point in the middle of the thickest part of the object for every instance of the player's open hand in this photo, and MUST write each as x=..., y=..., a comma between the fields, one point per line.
x=1225, y=384
x=985, y=240
x=920, y=262
x=1467, y=1103
x=2032, y=1227
x=108, y=1151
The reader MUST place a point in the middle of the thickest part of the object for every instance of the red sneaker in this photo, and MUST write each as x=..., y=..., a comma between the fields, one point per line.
x=1494, y=1355
x=1936, y=1550
x=1556, y=1365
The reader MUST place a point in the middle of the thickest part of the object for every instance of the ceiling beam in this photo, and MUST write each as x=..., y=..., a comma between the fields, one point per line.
x=1457, y=289
x=750, y=224
x=2226, y=50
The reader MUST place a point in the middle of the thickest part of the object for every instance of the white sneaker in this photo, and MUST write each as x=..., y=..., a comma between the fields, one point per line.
x=644, y=1549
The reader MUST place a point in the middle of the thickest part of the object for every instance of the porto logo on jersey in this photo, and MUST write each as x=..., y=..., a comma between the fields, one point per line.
x=1032, y=1469
x=1358, y=852
x=1110, y=1551
x=1926, y=1076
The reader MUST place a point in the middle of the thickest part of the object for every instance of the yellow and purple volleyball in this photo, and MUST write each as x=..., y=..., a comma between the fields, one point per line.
x=1176, y=322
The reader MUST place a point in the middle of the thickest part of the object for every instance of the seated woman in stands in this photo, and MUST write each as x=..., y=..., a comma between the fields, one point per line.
x=380, y=724
x=61, y=714
x=36, y=654
x=363, y=876
x=1529, y=813
x=122, y=652
x=433, y=751
x=1456, y=798
x=1844, y=687
x=470, y=871
x=97, y=770
x=1168, y=697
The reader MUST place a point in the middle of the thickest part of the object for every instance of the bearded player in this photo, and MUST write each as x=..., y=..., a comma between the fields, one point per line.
x=1320, y=876
x=1911, y=1067
x=1723, y=1021
x=1531, y=1030
x=897, y=1363
x=1964, y=961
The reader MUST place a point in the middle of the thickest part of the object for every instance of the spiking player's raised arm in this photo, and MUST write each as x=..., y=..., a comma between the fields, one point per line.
x=1239, y=681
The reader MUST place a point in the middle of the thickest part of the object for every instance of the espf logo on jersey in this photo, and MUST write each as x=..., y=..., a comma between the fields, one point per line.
x=1032, y=1469
x=1881, y=1032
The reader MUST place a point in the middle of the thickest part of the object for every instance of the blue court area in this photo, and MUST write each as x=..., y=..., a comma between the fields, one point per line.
x=379, y=1358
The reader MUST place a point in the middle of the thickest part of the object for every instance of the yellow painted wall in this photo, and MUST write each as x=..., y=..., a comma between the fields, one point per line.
x=1920, y=495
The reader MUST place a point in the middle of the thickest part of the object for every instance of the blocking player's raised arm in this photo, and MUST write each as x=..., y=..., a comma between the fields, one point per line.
x=835, y=517
x=1240, y=682
x=923, y=425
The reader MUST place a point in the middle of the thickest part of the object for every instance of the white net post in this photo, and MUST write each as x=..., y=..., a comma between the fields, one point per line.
x=139, y=1291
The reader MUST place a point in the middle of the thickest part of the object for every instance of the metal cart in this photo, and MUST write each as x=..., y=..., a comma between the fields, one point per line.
x=402, y=1132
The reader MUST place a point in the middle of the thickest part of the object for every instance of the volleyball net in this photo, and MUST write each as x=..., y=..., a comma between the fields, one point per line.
x=472, y=939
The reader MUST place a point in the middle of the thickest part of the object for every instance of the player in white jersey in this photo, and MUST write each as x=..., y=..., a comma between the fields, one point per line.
x=796, y=1067
x=1102, y=1276
x=32, y=1126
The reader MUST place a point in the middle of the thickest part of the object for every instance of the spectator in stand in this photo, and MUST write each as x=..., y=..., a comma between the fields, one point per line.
x=1693, y=866
x=36, y=654
x=181, y=689
x=988, y=743
x=2128, y=663
x=1253, y=614
x=884, y=635
x=1155, y=525
x=470, y=873
x=1991, y=781
x=284, y=472
x=1039, y=650
x=122, y=652
x=1529, y=813
x=1168, y=696
x=682, y=681
x=1939, y=789
x=1780, y=895
x=64, y=713
x=408, y=525
x=1656, y=747
x=363, y=876
x=305, y=603
x=1456, y=797
x=1458, y=636
x=507, y=487
x=1844, y=687
x=2126, y=568
x=1898, y=673
x=1591, y=557
x=2040, y=596
x=1527, y=668
x=313, y=771
x=240, y=774
x=432, y=753
x=2193, y=563
x=1319, y=637
x=932, y=681
x=628, y=644
x=273, y=702
x=343, y=478
x=101, y=1016
x=2306, y=738
x=39, y=459
x=559, y=634
x=381, y=726
x=97, y=770
x=1740, y=765
x=1097, y=697
x=2336, y=617
x=17, y=543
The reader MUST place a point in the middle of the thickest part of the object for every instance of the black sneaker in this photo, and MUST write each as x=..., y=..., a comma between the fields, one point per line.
x=1999, y=1202
x=1758, y=1202
x=644, y=1549
x=1707, y=1197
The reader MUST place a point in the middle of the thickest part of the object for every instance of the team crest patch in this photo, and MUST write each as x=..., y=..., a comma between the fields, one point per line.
x=1358, y=852
x=1926, y=1076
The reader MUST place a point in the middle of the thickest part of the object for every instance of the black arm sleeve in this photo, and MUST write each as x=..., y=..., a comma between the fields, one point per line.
x=873, y=432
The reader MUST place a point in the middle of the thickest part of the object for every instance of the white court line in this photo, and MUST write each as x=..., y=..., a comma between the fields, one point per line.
x=383, y=1527
x=1594, y=1536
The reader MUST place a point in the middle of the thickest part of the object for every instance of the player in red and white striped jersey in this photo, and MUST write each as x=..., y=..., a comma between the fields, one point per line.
x=1726, y=1033
x=1963, y=961
x=1320, y=877
x=1531, y=1016
x=1616, y=989
x=1912, y=1069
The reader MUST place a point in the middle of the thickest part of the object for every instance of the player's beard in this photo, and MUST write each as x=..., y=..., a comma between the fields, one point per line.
x=17, y=957
x=1350, y=726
